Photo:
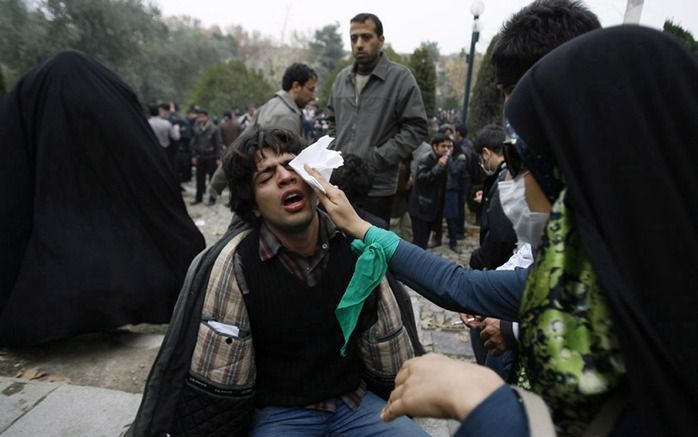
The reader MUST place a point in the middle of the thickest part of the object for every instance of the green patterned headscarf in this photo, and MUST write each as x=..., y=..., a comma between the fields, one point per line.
x=570, y=351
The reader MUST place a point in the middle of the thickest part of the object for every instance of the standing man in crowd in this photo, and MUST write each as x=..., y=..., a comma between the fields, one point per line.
x=230, y=129
x=426, y=198
x=283, y=111
x=473, y=175
x=207, y=146
x=181, y=152
x=376, y=112
x=246, y=118
x=166, y=133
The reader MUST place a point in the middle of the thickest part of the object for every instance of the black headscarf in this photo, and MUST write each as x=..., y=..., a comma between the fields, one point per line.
x=616, y=111
x=94, y=232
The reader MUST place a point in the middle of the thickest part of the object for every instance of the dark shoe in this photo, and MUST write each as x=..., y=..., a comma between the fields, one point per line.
x=196, y=202
x=460, y=236
x=211, y=201
x=454, y=247
x=434, y=243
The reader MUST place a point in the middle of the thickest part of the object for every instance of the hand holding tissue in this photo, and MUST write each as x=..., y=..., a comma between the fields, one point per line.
x=320, y=158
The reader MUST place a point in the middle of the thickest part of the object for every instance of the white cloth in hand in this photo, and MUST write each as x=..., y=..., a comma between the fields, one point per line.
x=317, y=156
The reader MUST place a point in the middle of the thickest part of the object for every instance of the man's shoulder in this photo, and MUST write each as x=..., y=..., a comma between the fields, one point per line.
x=158, y=121
x=281, y=102
x=392, y=68
x=343, y=75
x=426, y=157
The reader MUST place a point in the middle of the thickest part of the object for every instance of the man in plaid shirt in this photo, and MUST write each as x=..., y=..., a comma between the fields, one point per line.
x=266, y=355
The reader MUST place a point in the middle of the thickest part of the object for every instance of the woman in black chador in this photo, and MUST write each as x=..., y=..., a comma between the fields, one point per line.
x=93, y=230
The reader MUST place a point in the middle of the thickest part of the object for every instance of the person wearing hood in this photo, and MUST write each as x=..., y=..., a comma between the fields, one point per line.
x=95, y=234
x=606, y=326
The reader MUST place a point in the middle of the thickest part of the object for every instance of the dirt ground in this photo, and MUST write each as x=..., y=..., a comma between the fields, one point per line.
x=118, y=360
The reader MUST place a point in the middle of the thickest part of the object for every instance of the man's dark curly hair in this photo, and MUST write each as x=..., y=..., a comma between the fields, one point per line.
x=240, y=165
x=297, y=72
x=354, y=177
x=536, y=30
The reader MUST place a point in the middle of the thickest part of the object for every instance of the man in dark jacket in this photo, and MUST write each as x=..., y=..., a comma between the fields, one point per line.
x=497, y=243
x=376, y=112
x=472, y=177
x=207, y=146
x=426, y=198
x=239, y=340
x=497, y=236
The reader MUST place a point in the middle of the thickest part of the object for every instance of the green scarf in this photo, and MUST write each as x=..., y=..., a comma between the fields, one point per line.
x=569, y=349
x=370, y=268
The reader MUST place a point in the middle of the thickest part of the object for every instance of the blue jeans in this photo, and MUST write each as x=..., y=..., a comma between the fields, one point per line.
x=364, y=421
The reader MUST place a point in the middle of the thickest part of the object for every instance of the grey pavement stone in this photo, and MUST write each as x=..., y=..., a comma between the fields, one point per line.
x=71, y=410
x=450, y=343
x=17, y=397
x=438, y=427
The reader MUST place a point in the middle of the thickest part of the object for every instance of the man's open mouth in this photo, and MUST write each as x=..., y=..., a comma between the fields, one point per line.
x=292, y=199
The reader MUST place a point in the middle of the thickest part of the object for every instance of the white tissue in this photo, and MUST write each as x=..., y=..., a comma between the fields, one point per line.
x=317, y=156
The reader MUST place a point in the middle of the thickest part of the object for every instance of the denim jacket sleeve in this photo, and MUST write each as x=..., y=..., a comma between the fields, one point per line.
x=453, y=287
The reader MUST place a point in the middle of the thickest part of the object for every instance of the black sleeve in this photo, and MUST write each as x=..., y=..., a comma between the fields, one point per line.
x=507, y=329
x=498, y=242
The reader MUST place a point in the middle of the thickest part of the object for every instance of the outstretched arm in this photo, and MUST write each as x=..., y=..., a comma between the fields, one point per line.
x=491, y=293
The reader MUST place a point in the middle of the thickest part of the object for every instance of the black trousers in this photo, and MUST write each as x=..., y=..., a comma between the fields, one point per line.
x=379, y=206
x=420, y=231
x=204, y=166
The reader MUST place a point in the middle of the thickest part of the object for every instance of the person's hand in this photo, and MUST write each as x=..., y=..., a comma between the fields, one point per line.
x=436, y=386
x=193, y=161
x=443, y=160
x=471, y=321
x=478, y=196
x=218, y=162
x=491, y=336
x=338, y=207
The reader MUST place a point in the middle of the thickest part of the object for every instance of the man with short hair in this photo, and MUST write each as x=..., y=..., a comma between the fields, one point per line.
x=497, y=236
x=521, y=43
x=426, y=198
x=283, y=111
x=166, y=133
x=207, y=147
x=263, y=346
x=376, y=111
x=230, y=129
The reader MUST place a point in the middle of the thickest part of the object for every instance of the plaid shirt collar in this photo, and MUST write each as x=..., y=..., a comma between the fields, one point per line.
x=269, y=245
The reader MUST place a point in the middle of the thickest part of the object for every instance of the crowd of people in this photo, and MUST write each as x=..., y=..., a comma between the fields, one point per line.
x=579, y=299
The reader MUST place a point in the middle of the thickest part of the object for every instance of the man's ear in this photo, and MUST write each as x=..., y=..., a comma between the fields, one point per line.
x=381, y=40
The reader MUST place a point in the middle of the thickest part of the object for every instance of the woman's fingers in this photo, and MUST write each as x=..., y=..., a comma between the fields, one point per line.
x=393, y=408
x=316, y=174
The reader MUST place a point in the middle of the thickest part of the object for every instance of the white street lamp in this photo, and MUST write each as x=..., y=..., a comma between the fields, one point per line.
x=477, y=8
